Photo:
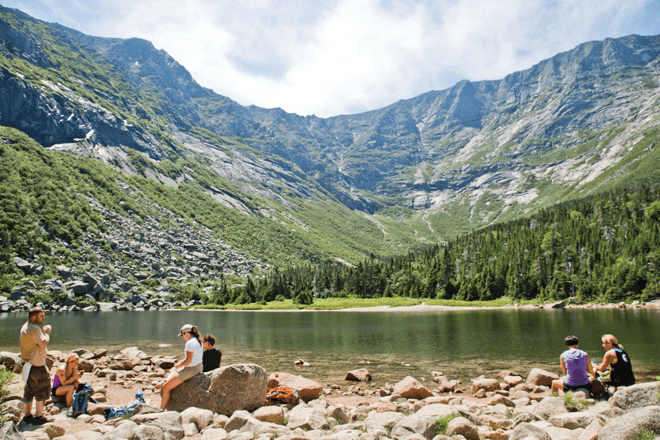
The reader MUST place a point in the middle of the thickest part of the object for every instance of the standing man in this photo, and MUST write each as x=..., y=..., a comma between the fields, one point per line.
x=34, y=343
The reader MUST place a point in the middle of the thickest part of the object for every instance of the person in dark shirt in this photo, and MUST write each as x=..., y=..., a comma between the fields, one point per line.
x=617, y=359
x=212, y=356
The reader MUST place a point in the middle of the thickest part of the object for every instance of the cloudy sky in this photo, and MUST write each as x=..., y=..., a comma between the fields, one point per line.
x=330, y=57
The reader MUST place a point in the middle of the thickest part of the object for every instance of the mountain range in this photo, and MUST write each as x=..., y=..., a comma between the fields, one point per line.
x=416, y=172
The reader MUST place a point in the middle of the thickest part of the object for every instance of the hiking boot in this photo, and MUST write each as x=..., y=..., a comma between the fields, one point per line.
x=38, y=421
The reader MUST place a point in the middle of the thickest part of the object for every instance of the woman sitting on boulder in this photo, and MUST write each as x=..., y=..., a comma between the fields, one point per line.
x=191, y=365
x=575, y=364
x=67, y=378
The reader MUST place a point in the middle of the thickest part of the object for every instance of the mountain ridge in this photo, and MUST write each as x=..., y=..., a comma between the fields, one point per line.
x=503, y=147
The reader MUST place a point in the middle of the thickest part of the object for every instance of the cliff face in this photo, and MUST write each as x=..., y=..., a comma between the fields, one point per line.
x=521, y=141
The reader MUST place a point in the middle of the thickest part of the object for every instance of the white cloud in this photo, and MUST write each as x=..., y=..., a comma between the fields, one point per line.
x=347, y=56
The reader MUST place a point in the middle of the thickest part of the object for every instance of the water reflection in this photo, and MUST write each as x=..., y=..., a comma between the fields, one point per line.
x=462, y=344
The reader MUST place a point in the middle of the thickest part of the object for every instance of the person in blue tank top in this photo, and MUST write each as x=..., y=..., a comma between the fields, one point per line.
x=618, y=360
x=576, y=366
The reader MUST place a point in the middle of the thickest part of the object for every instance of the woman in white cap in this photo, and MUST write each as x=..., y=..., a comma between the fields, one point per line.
x=190, y=366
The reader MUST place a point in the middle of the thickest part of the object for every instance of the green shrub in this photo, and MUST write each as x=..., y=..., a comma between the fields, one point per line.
x=6, y=377
x=441, y=424
x=643, y=434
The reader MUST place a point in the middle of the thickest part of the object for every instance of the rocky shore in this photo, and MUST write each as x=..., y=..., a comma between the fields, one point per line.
x=228, y=404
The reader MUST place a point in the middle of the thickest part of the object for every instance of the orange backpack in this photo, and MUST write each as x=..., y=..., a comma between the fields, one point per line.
x=281, y=395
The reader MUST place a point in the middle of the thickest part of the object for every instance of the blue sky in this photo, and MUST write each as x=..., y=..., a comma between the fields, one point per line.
x=349, y=56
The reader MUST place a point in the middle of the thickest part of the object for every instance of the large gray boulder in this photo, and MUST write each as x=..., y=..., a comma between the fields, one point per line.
x=223, y=390
x=636, y=396
x=624, y=426
x=526, y=430
x=422, y=422
x=550, y=406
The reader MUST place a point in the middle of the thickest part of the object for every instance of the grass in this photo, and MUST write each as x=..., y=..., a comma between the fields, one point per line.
x=441, y=424
x=643, y=434
x=352, y=302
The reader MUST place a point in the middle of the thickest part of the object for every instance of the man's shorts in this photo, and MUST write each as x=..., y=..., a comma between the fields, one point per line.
x=38, y=385
x=189, y=372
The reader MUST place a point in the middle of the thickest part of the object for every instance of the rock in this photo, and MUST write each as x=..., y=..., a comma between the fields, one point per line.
x=411, y=388
x=214, y=434
x=306, y=417
x=462, y=426
x=636, y=396
x=385, y=420
x=223, y=390
x=503, y=400
x=200, y=417
x=9, y=431
x=361, y=375
x=550, y=406
x=169, y=422
x=148, y=432
x=243, y=421
x=591, y=431
x=512, y=380
x=422, y=422
x=339, y=413
x=270, y=414
x=541, y=377
x=556, y=305
x=526, y=430
x=9, y=359
x=573, y=420
x=121, y=431
x=624, y=426
x=307, y=389
x=52, y=430
x=484, y=384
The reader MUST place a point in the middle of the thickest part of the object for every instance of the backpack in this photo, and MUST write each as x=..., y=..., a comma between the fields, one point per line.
x=281, y=395
x=120, y=411
x=80, y=399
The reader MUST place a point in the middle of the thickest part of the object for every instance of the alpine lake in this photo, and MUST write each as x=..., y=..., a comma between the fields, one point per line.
x=462, y=344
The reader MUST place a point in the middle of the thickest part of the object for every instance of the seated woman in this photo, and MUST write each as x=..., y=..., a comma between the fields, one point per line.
x=191, y=365
x=617, y=359
x=575, y=364
x=67, y=378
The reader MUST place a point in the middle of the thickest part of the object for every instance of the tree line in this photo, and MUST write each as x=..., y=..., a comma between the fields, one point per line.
x=602, y=248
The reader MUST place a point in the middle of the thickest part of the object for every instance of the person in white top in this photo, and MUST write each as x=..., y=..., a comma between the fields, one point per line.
x=190, y=366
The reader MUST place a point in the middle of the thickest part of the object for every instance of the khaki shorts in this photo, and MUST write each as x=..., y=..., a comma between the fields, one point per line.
x=189, y=372
x=37, y=386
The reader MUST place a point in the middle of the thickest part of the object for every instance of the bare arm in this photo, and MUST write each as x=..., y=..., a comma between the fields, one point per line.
x=563, y=365
x=186, y=361
x=46, y=337
x=608, y=359
x=590, y=367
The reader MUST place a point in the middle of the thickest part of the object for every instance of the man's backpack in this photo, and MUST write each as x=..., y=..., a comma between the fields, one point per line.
x=282, y=395
x=80, y=400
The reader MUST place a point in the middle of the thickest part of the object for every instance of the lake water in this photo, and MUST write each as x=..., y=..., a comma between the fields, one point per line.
x=461, y=344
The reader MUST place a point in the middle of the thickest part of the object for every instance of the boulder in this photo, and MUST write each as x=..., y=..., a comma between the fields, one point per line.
x=462, y=426
x=622, y=427
x=591, y=431
x=223, y=390
x=307, y=418
x=168, y=422
x=9, y=431
x=200, y=417
x=307, y=389
x=541, y=377
x=361, y=375
x=484, y=384
x=422, y=422
x=9, y=359
x=526, y=430
x=270, y=414
x=411, y=388
x=382, y=420
x=573, y=420
x=636, y=396
x=121, y=431
x=550, y=406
